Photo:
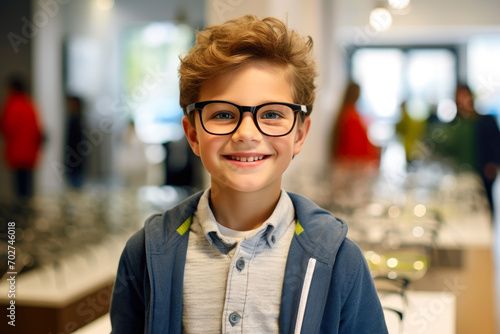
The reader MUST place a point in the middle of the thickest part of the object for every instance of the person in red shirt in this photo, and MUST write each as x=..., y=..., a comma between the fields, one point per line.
x=350, y=143
x=22, y=134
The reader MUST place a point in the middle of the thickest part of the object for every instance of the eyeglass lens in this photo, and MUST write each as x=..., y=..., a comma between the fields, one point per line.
x=223, y=118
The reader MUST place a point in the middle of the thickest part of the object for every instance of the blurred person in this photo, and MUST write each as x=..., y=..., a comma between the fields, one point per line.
x=74, y=137
x=488, y=149
x=354, y=159
x=21, y=129
x=472, y=141
x=411, y=131
x=350, y=143
x=458, y=141
x=486, y=140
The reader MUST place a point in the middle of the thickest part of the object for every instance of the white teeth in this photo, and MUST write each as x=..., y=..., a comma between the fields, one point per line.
x=247, y=159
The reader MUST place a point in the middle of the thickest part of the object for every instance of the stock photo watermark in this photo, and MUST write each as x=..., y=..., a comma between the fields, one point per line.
x=488, y=86
x=11, y=273
x=424, y=316
x=222, y=7
x=29, y=28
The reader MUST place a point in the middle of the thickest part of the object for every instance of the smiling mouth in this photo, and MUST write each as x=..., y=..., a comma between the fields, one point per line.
x=246, y=159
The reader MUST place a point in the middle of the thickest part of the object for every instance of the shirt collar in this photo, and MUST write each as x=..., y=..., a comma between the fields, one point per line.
x=272, y=229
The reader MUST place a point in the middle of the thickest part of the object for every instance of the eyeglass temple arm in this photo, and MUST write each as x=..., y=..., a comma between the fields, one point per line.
x=190, y=108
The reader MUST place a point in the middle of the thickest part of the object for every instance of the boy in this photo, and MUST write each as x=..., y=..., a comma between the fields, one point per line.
x=245, y=256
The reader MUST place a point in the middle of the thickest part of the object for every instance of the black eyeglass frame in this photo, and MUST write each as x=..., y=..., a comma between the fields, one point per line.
x=296, y=108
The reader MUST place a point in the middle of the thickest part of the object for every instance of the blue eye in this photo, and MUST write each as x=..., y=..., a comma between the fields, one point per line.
x=271, y=115
x=223, y=115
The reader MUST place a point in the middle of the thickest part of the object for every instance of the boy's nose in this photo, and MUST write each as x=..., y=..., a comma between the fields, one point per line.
x=247, y=130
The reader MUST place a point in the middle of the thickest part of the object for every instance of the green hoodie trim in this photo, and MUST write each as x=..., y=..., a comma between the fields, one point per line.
x=184, y=227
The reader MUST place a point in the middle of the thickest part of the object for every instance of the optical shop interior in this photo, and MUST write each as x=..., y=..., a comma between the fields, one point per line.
x=403, y=145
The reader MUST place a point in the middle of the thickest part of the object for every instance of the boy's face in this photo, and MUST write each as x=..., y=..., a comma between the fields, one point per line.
x=253, y=84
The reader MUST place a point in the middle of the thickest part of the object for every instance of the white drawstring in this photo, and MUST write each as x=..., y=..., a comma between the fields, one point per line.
x=305, y=294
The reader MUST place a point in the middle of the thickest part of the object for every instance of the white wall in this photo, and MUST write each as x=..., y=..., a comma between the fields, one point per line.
x=47, y=89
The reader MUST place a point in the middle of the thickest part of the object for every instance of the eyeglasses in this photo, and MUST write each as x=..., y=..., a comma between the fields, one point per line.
x=274, y=119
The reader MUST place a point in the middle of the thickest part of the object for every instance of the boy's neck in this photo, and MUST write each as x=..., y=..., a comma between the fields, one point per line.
x=243, y=211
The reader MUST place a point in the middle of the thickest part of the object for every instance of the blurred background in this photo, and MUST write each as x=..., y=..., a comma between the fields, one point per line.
x=404, y=145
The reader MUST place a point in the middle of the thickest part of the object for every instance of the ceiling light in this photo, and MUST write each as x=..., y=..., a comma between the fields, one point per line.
x=380, y=19
x=398, y=4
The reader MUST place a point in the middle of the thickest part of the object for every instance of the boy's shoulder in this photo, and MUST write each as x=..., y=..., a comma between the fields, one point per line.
x=313, y=218
x=319, y=232
x=324, y=237
x=171, y=223
x=161, y=228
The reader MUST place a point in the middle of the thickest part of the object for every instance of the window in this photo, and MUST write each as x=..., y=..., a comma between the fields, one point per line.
x=483, y=73
x=150, y=83
x=389, y=76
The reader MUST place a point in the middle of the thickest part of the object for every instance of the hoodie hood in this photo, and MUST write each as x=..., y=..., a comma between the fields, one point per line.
x=319, y=233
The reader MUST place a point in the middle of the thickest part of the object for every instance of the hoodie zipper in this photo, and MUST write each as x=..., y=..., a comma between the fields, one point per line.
x=305, y=294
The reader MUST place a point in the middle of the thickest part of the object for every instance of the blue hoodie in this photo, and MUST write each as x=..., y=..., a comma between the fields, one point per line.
x=327, y=286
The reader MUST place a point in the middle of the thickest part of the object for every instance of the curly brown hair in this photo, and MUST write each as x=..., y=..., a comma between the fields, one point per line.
x=225, y=47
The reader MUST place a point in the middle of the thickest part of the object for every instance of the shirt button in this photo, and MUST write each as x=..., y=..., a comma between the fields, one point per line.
x=273, y=239
x=234, y=318
x=240, y=264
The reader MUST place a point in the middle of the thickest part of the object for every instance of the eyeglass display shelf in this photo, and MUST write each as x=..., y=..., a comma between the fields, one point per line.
x=74, y=277
x=468, y=231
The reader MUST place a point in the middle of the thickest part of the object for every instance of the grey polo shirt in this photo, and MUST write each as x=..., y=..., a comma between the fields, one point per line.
x=233, y=280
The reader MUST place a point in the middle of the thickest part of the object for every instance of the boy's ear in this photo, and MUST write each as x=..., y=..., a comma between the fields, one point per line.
x=300, y=136
x=191, y=135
